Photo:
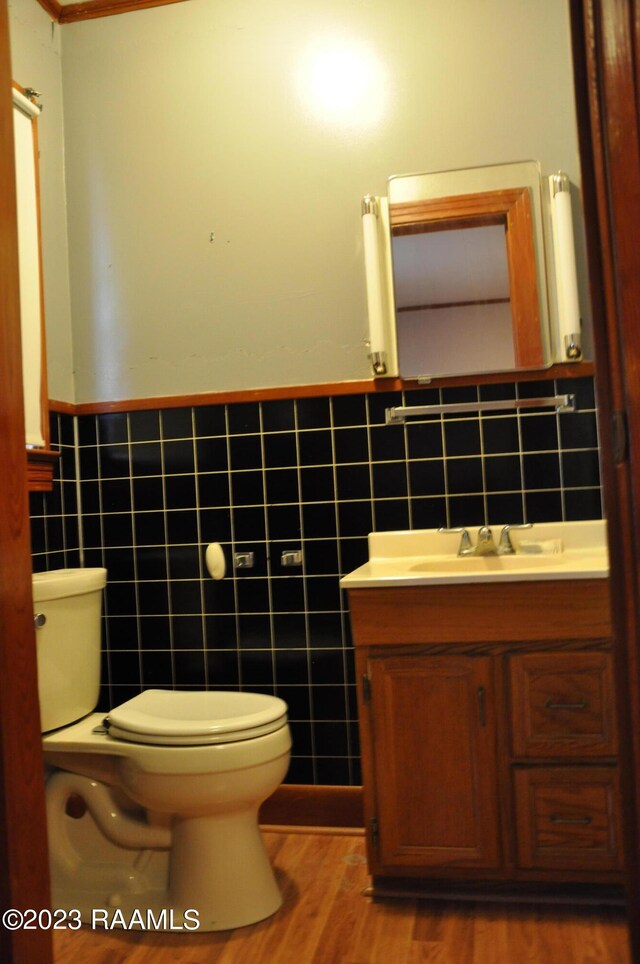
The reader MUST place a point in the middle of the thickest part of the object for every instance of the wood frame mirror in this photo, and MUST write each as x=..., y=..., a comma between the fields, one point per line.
x=40, y=457
x=463, y=274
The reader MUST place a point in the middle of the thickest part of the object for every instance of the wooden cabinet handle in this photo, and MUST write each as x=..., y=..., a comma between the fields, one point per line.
x=551, y=705
x=578, y=821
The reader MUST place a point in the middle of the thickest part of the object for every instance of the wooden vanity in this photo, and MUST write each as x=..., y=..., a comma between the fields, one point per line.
x=489, y=743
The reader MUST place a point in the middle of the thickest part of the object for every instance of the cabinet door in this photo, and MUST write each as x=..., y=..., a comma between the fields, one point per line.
x=434, y=755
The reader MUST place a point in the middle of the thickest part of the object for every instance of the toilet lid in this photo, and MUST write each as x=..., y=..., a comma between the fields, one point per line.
x=173, y=718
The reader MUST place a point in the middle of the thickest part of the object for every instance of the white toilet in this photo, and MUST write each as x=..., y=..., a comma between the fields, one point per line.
x=154, y=808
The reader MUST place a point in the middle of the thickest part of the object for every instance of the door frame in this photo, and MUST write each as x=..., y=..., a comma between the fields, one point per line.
x=24, y=881
x=606, y=42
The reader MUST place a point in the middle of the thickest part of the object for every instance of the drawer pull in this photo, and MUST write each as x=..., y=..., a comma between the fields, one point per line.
x=551, y=705
x=577, y=821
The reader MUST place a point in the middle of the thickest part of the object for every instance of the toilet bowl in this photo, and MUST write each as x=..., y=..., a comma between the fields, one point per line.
x=153, y=809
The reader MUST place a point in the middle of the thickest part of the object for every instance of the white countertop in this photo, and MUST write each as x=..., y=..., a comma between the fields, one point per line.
x=420, y=557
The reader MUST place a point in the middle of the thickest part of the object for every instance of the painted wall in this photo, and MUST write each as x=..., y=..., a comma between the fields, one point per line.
x=217, y=155
x=36, y=56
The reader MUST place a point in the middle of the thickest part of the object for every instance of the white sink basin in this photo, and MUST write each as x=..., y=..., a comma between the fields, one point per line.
x=563, y=550
x=481, y=564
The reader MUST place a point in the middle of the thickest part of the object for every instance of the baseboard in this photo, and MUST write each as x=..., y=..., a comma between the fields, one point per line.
x=300, y=805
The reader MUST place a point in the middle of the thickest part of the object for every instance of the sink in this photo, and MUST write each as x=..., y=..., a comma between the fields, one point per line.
x=471, y=564
x=559, y=550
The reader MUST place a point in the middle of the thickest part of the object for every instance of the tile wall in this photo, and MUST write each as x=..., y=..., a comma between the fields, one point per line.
x=55, y=522
x=316, y=474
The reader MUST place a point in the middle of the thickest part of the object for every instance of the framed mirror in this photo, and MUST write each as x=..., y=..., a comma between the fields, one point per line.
x=40, y=457
x=468, y=282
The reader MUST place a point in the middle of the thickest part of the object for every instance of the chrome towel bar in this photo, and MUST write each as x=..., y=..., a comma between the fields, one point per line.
x=561, y=403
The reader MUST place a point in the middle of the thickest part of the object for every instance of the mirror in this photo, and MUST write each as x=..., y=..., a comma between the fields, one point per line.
x=40, y=458
x=469, y=280
x=465, y=284
x=470, y=286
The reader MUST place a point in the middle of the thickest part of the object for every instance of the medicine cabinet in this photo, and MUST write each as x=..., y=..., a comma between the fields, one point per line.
x=40, y=458
x=471, y=272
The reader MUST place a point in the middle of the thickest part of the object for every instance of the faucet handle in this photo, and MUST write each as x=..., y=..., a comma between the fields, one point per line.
x=505, y=548
x=465, y=546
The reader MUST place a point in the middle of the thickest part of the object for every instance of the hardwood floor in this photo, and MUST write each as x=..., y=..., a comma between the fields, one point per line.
x=326, y=920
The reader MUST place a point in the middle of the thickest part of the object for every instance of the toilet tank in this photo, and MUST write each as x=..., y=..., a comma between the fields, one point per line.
x=68, y=605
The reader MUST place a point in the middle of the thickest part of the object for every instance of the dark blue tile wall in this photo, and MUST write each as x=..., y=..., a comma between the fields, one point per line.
x=316, y=474
x=55, y=523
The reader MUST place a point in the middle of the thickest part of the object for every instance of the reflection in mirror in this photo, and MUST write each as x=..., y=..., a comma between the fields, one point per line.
x=465, y=284
x=439, y=312
x=475, y=253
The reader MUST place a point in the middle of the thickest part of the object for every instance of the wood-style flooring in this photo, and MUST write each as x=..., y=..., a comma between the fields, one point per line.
x=325, y=919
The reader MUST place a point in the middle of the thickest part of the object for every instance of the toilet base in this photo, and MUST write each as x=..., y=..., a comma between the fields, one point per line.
x=219, y=867
x=216, y=876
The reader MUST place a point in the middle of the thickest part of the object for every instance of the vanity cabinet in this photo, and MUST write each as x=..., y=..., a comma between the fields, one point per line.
x=489, y=739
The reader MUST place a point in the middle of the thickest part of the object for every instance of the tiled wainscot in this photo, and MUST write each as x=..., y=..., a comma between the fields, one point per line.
x=144, y=492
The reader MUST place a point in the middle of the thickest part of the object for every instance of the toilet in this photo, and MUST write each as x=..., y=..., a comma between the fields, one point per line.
x=153, y=809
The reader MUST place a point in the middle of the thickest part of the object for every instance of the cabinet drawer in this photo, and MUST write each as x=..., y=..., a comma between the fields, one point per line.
x=567, y=818
x=562, y=705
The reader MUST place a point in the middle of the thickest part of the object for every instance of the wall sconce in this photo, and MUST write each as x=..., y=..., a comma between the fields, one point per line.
x=564, y=257
x=377, y=262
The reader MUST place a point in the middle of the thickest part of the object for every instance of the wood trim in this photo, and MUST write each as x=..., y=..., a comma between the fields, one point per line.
x=92, y=9
x=453, y=212
x=52, y=7
x=368, y=386
x=605, y=43
x=24, y=881
x=40, y=467
x=62, y=408
x=500, y=892
x=527, y=338
x=300, y=805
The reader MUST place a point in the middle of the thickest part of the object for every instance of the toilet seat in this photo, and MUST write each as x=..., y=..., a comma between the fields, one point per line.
x=74, y=747
x=176, y=718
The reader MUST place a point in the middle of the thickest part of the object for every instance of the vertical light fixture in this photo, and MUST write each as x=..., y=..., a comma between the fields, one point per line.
x=564, y=255
x=375, y=302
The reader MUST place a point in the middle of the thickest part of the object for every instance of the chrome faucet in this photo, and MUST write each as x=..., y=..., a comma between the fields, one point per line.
x=485, y=545
x=505, y=546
